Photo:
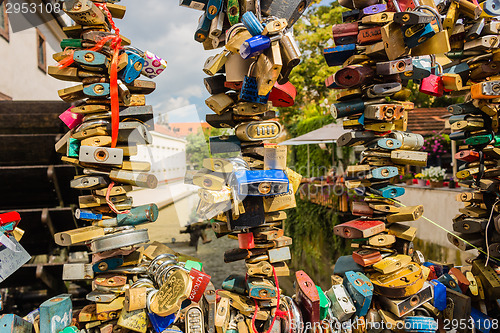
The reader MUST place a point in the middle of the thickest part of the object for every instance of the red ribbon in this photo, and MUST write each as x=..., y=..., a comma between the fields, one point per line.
x=113, y=77
x=112, y=205
x=278, y=313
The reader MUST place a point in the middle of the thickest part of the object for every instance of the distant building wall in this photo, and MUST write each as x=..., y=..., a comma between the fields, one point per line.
x=441, y=207
x=167, y=156
x=21, y=78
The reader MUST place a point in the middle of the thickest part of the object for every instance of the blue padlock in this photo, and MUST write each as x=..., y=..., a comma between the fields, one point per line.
x=107, y=264
x=91, y=60
x=389, y=143
x=252, y=23
x=422, y=66
x=56, y=314
x=336, y=56
x=203, y=28
x=420, y=324
x=385, y=172
x=133, y=69
x=449, y=282
x=346, y=264
x=249, y=90
x=482, y=322
x=97, y=90
x=14, y=323
x=344, y=109
x=491, y=7
x=87, y=215
x=416, y=34
x=360, y=289
x=254, y=46
x=389, y=191
x=361, y=119
x=439, y=295
x=160, y=324
x=213, y=8
x=9, y=227
x=73, y=148
x=261, y=182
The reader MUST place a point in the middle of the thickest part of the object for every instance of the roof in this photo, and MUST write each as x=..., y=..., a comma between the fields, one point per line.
x=181, y=129
x=427, y=121
x=327, y=133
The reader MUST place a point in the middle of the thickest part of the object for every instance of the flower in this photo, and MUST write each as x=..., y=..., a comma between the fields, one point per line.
x=419, y=176
x=434, y=174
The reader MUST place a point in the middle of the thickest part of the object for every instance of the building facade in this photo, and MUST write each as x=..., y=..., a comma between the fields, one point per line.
x=27, y=42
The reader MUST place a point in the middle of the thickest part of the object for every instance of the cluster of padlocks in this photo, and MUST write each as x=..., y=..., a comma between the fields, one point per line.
x=244, y=196
x=385, y=285
x=135, y=287
x=445, y=49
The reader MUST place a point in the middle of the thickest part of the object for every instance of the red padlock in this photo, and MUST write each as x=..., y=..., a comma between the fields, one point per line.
x=432, y=85
x=283, y=95
x=10, y=217
x=403, y=5
x=246, y=241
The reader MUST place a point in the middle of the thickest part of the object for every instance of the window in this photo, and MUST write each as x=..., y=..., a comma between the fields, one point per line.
x=40, y=44
x=4, y=22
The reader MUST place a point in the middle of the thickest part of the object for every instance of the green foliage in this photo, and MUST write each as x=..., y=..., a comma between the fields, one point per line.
x=320, y=160
x=197, y=147
x=315, y=248
x=313, y=33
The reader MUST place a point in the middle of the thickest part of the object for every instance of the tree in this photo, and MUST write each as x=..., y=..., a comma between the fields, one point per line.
x=197, y=148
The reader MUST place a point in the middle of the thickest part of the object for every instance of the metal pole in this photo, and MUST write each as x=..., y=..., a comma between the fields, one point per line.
x=308, y=164
x=453, y=159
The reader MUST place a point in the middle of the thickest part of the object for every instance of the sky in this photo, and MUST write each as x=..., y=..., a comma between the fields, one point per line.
x=166, y=29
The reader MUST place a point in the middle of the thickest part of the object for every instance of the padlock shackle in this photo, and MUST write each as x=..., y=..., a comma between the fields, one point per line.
x=433, y=12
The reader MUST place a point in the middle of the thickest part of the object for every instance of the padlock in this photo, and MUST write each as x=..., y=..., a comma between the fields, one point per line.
x=392, y=263
x=256, y=45
x=401, y=307
x=291, y=11
x=307, y=297
x=359, y=229
x=256, y=131
x=360, y=289
x=485, y=90
x=56, y=313
x=336, y=56
x=220, y=103
x=345, y=33
x=379, y=18
x=366, y=257
x=134, y=67
x=354, y=76
x=13, y=323
x=417, y=34
x=84, y=12
x=393, y=41
x=432, y=85
x=252, y=23
x=369, y=36
x=291, y=55
x=283, y=95
x=268, y=67
x=91, y=60
x=249, y=90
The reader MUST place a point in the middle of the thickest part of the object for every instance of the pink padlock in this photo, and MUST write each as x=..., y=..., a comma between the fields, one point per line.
x=432, y=85
x=71, y=119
